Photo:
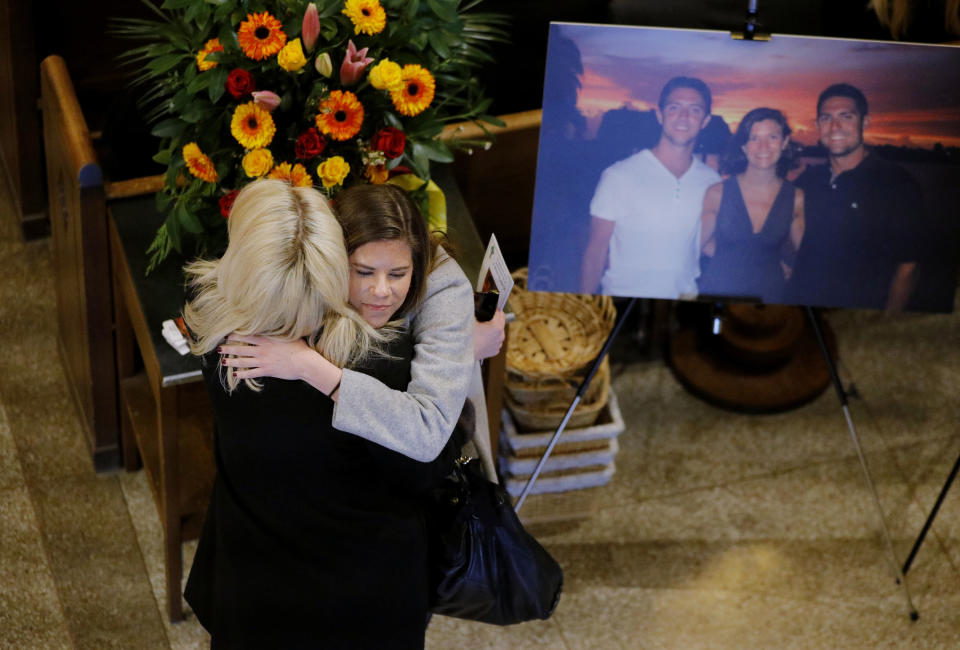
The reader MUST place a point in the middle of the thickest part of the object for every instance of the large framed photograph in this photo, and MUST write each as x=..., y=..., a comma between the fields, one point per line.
x=690, y=165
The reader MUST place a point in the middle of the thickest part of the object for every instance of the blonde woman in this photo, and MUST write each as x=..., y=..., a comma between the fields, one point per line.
x=447, y=342
x=314, y=537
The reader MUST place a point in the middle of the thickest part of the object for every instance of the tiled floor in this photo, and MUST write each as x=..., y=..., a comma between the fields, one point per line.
x=718, y=530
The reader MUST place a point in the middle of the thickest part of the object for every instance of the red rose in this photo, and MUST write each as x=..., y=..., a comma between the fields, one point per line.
x=226, y=203
x=390, y=141
x=240, y=83
x=310, y=144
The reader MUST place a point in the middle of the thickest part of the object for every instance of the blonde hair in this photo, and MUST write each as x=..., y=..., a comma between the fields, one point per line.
x=895, y=15
x=284, y=274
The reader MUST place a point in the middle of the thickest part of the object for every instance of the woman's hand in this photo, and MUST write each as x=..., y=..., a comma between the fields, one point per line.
x=264, y=356
x=488, y=337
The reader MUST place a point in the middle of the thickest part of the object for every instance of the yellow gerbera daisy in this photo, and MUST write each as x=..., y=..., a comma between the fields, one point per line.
x=367, y=16
x=416, y=93
x=261, y=36
x=341, y=115
x=199, y=163
x=252, y=126
x=211, y=46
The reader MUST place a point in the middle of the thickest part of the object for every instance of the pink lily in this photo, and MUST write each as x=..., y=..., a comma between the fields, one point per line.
x=311, y=27
x=354, y=64
x=266, y=99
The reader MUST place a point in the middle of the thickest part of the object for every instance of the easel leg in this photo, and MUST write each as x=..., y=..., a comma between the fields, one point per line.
x=932, y=516
x=842, y=395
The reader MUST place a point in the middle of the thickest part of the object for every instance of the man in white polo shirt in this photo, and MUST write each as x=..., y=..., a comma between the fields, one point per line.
x=645, y=213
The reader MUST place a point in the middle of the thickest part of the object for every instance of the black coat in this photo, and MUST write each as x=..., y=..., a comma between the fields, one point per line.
x=314, y=538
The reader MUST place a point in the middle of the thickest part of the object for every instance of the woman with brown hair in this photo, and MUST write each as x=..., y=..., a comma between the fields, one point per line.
x=752, y=222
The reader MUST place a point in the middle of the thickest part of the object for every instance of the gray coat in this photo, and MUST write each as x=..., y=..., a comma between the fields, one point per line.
x=418, y=422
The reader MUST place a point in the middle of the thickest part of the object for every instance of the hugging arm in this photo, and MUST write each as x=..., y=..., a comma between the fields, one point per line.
x=417, y=422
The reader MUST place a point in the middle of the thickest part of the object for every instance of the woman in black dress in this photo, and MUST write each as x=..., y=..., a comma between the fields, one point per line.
x=753, y=221
x=314, y=538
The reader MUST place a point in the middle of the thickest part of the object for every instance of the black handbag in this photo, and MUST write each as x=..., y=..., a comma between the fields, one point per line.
x=484, y=565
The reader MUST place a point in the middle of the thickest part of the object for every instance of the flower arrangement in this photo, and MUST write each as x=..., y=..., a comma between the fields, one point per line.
x=326, y=93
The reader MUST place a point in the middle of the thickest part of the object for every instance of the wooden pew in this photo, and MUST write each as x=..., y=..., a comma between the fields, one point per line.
x=81, y=263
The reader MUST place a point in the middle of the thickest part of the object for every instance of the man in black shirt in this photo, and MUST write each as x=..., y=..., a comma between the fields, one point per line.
x=864, y=217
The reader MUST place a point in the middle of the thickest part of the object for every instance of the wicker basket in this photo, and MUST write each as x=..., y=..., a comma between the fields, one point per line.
x=542, y=416
x=555, y=334
x=526, y=390
x=561, y=506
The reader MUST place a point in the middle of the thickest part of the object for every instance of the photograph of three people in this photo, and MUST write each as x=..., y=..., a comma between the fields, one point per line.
x=687, y=164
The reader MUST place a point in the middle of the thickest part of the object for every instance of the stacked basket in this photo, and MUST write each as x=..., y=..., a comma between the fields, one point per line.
x=552, y=345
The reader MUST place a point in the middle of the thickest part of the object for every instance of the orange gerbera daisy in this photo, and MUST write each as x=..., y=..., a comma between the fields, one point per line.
x=300, y=177
x=341, y=115
x=296, y=174
x=252, y=126
x=416, y=93
x=199, y=163
x=261, y=36
x=377, y=174
x=211, y=46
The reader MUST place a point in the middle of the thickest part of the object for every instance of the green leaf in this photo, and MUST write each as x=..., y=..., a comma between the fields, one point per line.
x=192, y=10
x=419, y=161
x=491, y=119
x=393, y=163
x=410, y=11
x=163, y=201
x=435, y=150
x=217, y=83
x=483, y=106
x=328, y=30
x=168, y=128
x=331, y=9
x=194, y=112
x=199, y=82
x=162, y=157
x=438, y=42
x=445, y=10
x=203, y=16
x=190, y=74
x=177, y=4
x=228, y=39
x=223, y=10
x=419, y=42
x=185, y=217
x=393, y=120
x=174, y=233
x=158, y=249
x=166, y=62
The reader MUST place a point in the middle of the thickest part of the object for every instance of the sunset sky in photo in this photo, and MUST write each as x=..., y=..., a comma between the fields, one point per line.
x=912, y=90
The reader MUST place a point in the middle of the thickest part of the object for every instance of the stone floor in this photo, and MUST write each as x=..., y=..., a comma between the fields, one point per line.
x=717, y=531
